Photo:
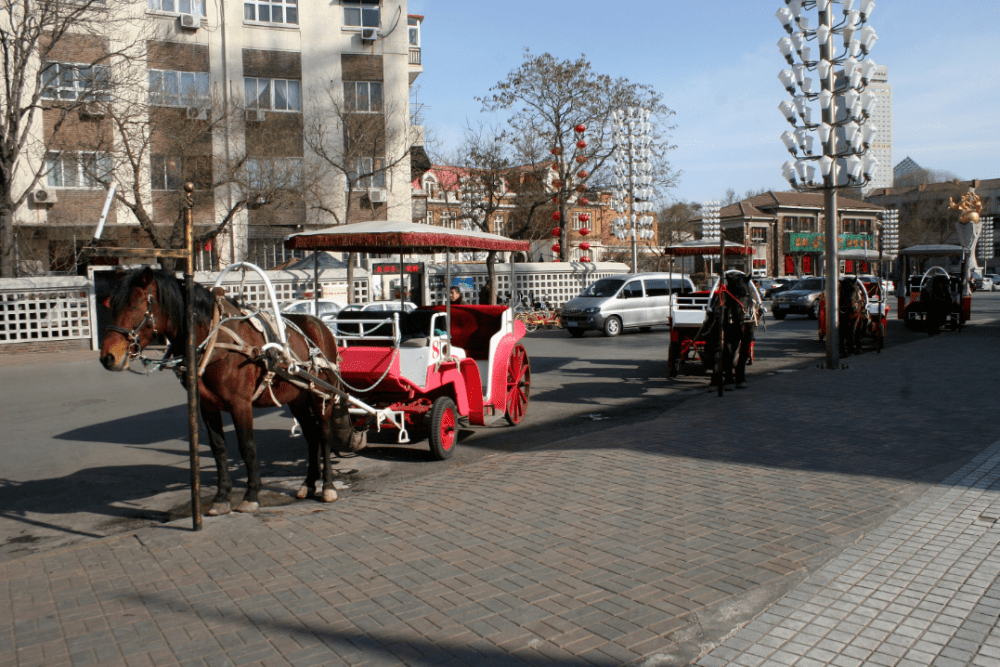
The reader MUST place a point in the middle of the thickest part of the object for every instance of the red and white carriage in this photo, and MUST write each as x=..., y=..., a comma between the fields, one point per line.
x=876, y=299
x=912, y=311
x=421, y=372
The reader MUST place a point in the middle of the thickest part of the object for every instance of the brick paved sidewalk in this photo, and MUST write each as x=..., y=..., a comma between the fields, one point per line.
x=922, y=590
x=648, y=544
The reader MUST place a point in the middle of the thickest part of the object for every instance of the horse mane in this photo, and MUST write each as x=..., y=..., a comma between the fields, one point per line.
x=171, y=295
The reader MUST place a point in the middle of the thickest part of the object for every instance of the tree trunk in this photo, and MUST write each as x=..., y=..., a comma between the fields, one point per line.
x=351, y=256
x=491, y=275
x=7, y=268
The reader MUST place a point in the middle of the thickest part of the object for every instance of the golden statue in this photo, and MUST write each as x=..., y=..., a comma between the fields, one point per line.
x=970, y=205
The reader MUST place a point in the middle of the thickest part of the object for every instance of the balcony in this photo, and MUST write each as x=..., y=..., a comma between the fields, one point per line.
x=415, y=64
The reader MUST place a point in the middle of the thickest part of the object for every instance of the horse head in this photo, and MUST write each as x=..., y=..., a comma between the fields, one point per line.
x=849, y=295
x=137, y=317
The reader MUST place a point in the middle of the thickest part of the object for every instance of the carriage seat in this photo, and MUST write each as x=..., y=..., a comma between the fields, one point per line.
x=472, y=327
x=356, y=326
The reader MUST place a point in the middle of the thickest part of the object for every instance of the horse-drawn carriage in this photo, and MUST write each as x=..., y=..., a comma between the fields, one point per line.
x=688, y=310
x=933, y=298
x=418, y=372
x=863, y=312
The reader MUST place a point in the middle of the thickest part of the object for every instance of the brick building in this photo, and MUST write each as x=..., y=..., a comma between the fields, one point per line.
x=242, y=98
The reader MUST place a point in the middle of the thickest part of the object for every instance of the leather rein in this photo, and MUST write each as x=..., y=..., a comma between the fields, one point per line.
x=134, y=348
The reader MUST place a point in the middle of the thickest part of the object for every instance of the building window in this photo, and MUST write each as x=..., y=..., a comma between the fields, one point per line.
x=790, y=223
x=758, y=235
x=414, y=25
x=170, y=173
x=70, y=169
x=274, y=11
x=73, y=81
x=273, y=94
x=361, y=13
x=178, y=6
x=270, y=174
x=178, y=89
x=368, y=173
x=363, y=96
x=499, y=225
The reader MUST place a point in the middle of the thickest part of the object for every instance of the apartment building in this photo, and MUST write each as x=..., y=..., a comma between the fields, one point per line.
x=285, y=114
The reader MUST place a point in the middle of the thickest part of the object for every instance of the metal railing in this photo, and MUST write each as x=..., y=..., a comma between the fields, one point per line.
x=415, y=56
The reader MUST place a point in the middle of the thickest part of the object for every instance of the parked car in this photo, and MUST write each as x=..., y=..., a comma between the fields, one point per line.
x=635, y=300
x=989, y=282
x=408, y=306
x=995, y=280
x=802, y=299
x=772, y=286
x=327, y=307
x=981, y=281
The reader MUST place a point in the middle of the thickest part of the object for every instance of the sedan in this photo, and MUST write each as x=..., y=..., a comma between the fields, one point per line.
x=775, y=286
x=327, y=307
x=802, y=298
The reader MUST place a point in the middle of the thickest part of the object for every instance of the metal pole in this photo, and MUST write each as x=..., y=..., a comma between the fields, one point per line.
x=832, y=272
x=670, y=322
x=191, y=360
x=315, y=282
x=722, y=311
x=631, y=206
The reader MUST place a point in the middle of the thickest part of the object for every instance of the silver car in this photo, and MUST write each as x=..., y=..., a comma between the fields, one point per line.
x=636, y=300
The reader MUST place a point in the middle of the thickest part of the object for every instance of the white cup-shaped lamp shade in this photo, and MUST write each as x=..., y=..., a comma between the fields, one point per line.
x=806, y=54
x=824, y=68
x=785, y=16
x=868, y=69
x=803, y=23
x=788, y=111
x=848, y=5
x=850, y=129
x=870, y=131
x=848, y=34
x=788, y=139
x=825, y=165
x=856, y=79
x=800, y=104
x=788, y=171
x=850, y=97
x=866, y=9
x=800, y=137
x=850, y=66
x=824, y=132
x=868, y=102
x=785, y=46
x=807, y=115
x=807, y=85
x=854, y=18
x=823, y=34
x=854, y=48
x=800, y=73
x=798, y=41
x=825, y=99
x=854, y=167
x=868, y=38
x=871, y=167
x=795, y=6
x=857, y=111
x=858, y=143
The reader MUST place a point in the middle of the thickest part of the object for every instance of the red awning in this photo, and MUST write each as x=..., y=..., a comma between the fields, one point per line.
x=392, y=236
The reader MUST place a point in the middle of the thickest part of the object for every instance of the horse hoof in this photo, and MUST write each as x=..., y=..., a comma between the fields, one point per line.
x=248, y=507
x=218, y=509
x=329, y=495
x=303, y=492
x=741, y=385
x=729, y=387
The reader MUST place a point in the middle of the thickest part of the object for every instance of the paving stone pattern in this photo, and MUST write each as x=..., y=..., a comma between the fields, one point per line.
x=600, y=551
x=923, y=589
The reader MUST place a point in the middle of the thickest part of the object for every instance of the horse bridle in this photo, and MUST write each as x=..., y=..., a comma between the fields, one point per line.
x=134, y=348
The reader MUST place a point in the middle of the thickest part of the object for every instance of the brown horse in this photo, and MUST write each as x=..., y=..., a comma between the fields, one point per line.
x=236, y=376
x=854, y=319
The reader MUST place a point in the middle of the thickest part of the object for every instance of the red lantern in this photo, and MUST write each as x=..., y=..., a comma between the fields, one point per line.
x=581, y=128
x=584, y=217
x=557, y=260
x=581, y=144
x=557, y=151
x=584, y=201
x=208, y=245
x=582, y=173
x=584, y=246
x=584, y=231
x=557, y=216
x=555, y=231
x=555, y=247
x=580, y=159
x=557, y=183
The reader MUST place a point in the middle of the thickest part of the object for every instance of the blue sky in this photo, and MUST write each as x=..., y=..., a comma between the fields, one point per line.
x=716, y=64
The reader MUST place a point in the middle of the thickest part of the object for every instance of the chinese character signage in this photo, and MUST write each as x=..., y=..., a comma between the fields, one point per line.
x=393, y=269
x=817, y=242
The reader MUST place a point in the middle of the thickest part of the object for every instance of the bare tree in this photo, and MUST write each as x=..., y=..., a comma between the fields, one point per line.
x=57, y=60
x=925, y=218
x=563, y=107
x=358, y=141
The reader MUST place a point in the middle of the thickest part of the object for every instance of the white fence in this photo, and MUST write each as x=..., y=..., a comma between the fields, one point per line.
x=288, y=285
x=44, y=309
x=555, y=282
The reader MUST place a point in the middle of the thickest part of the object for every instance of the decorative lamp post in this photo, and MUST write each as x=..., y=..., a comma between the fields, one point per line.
x=633, y=178
x=890, y=235
x=985, y=245
x=711, y=227
x=844, y=104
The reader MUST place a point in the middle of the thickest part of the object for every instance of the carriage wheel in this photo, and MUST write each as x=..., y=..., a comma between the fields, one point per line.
x=518, y=385
x=443, y=418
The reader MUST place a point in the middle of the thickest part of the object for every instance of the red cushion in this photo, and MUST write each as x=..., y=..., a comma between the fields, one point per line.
x=472, y=327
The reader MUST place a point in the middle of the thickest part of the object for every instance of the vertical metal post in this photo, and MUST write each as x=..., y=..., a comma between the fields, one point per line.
x=722, y=311
x=315, y=281
x=832, y=273
x=631, y=207
x=191, y=360
x=670, y=322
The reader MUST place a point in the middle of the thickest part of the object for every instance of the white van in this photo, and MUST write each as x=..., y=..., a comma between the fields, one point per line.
x=631, y=300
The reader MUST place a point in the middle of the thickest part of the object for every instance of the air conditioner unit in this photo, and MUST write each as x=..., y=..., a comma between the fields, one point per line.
x=369, y=34
x=93, y=110
x=190, y=21
x=256, y=115
x=197, y=113
x=377, y=196
x=44, y=196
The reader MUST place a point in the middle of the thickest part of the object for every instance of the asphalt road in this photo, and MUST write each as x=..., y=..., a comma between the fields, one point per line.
x=88, y=454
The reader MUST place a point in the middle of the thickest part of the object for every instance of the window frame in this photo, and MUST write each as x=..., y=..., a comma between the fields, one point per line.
x=376, y=179
x=255, y=168
x=271, y=4
x=55, y=163
x=182, y=99
x=412, y=27
x=353, y=107
x=86, y=93
x=271, y=93
x=188, y=169
x=361, y=6
x=156, y=7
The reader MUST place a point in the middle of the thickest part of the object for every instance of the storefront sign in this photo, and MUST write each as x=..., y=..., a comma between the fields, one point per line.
x=798, y=242
x=393, y=269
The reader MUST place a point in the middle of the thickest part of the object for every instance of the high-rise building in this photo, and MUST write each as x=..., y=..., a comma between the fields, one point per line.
x=271, y=107
x=881, y=148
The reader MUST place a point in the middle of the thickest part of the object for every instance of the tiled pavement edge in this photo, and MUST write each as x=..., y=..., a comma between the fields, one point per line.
x=921, y=590
x=650, y=540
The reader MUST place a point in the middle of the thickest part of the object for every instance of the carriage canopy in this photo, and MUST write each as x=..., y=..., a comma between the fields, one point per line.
x=705, y=248
x=393, y=235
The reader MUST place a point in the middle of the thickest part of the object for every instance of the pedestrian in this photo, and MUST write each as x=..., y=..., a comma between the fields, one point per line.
x=485, y=294
x=456, y=295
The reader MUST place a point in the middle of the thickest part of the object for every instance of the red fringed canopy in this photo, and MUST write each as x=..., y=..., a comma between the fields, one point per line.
x=702, y=248
x=392, y=236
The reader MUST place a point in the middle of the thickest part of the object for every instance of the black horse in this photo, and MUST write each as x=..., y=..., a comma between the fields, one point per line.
x=236, y=374
x=854, y=320
x=937, y=300
x=734, y=307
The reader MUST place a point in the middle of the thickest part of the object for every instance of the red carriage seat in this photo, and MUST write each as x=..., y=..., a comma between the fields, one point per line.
x=472, y=327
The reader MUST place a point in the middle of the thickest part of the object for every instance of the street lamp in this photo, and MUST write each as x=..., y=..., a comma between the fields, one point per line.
x=890, y=233
x=631, y=131
x=845, y=106
x=711, y=228
x=984, y=248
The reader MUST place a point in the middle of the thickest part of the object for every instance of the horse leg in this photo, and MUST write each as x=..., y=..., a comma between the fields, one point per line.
x=217, y=441
x=729, y=360
x=307, y=421
x=243, y=422
x=325, y=421
x=741, y=364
